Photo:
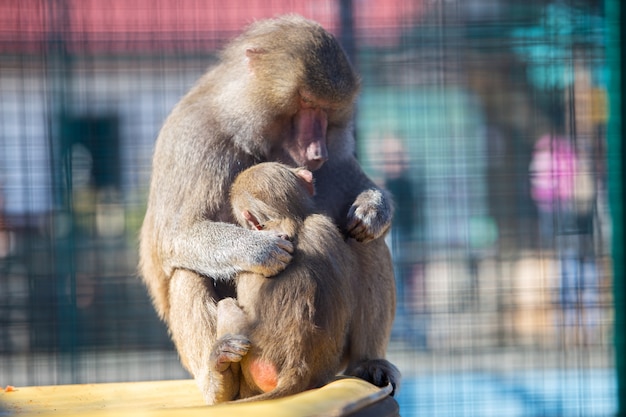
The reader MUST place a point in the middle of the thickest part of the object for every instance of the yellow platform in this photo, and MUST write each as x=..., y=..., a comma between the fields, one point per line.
x=343, y=397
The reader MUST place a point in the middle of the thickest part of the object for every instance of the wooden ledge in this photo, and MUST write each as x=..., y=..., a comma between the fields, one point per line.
x=345, y=396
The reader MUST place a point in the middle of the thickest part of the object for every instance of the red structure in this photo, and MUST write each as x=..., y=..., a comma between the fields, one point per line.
x=125, y=26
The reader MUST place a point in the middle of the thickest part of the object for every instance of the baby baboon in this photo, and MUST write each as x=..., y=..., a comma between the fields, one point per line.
x=297, y=330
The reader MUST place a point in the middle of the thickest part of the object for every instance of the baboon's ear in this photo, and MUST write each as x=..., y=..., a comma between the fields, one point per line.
x=252, y=57
x=251, y=219
x=307, y=177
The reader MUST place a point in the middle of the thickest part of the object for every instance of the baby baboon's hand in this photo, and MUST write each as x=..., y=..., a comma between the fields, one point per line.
x=228, y=349
x=231, y=319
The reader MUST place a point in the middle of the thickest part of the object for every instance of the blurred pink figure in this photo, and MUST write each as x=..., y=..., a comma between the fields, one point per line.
x=552, y=172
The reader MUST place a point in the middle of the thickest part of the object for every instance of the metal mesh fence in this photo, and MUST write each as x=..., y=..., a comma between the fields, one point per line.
x=485, y=119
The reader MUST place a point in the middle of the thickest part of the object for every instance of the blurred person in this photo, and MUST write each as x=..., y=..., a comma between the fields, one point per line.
x=5, y=251
x=398, y=181
x=552, y=170
x=5, y=233
x=563, y=192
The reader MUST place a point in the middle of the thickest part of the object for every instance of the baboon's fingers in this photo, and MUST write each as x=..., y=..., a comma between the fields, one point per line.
x=228, y=349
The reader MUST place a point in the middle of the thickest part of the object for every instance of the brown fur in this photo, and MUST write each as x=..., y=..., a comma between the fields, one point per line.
x=304, y=325
x=282, y=91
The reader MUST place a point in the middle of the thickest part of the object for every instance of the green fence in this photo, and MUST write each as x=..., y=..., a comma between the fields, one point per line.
x=495, y=124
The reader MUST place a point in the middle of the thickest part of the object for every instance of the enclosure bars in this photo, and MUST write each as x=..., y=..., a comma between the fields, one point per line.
x=616, y=164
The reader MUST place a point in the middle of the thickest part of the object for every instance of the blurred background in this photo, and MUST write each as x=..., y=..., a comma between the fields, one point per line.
x=486, y=119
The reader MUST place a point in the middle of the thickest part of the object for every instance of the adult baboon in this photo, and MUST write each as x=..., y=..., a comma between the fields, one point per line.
x=282, y=91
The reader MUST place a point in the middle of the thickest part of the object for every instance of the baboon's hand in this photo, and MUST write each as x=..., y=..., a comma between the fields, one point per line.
x=270, y=253
x=231, y=319
x=370, y=216
x=228, y=349
x=379, y=372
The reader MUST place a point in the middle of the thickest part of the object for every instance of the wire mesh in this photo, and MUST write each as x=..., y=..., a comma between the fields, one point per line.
x=485, y=119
